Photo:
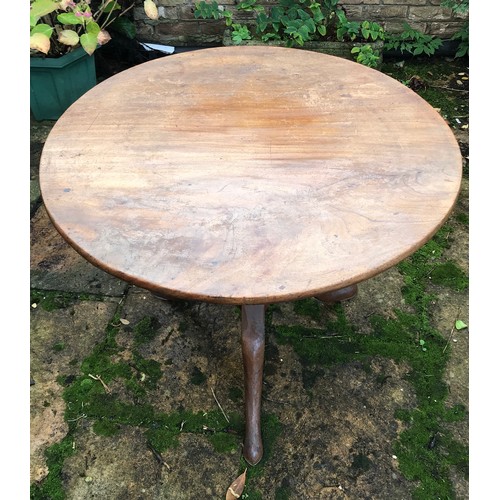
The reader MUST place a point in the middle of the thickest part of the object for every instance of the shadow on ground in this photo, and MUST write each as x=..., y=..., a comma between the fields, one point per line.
x=133, y=397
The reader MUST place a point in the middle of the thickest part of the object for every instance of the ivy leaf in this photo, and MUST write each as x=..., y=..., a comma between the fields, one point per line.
x=460, y=325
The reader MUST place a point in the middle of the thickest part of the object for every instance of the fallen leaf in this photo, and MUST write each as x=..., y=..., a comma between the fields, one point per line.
x=236, y=488
x=124, y=321
x=460, y=325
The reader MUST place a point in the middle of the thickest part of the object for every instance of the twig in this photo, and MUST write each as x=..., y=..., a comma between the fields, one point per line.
x=218, y=404
x=448, y=88
x=335, y=336
x=451, y=333
x=158, y=456
x=277, y=402
x=77, y=418
x=98, y=377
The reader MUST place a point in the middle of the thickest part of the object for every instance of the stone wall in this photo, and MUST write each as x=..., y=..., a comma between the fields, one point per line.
x=177, y=25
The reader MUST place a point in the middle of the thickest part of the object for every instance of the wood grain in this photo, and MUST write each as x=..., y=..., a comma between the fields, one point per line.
x=249, y=175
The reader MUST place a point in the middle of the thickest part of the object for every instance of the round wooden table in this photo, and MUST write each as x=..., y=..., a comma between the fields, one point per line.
x=249, y=175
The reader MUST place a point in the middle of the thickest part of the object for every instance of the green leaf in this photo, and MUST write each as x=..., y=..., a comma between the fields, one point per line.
x=92, y=28
x=41, y=8
x=111, y=6
x=45, y=29
x=460, y=325
x=89, y=42
x=124, y=26
x=322, y=30
x=70, y=18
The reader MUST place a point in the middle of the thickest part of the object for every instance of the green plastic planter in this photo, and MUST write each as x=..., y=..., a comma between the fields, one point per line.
x=56, y=83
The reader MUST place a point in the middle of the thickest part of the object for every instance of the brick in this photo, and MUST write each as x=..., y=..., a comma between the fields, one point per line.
x=429, y=14
x=177, y=28
x=445, y=30
x=185, y=12
x=407, y=2
x=354, y=12
x=169, y=13
x=170, y=3
x=384, y=12
x=360, y=2
x=396, y=26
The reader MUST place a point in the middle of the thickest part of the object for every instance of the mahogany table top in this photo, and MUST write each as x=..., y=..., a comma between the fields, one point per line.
x=249, y=175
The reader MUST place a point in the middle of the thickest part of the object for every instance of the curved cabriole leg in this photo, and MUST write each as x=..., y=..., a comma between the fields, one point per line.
x=253, y=343
x=338, y=295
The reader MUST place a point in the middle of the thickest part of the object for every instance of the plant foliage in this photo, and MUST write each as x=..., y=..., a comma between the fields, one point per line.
x=57, y=27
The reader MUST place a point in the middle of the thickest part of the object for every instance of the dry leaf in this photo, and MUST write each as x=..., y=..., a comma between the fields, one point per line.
x=124, y=321
x=103, y=37
x=236, y=489
x=41, y=42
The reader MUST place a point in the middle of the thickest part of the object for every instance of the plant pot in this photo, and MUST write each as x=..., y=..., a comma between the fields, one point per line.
x=339, y=49
x=56, y=83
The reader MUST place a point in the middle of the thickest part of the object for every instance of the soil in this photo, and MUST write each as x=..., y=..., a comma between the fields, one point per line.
x=331, y=426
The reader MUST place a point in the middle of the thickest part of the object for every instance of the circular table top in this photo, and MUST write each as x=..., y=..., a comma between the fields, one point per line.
x=249, y=175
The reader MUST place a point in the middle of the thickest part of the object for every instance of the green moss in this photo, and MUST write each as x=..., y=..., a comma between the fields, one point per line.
x=360, y=463
x=235, y=394
x=282, y=493
x=164, y=431
x=52, y=300
x=224, y=442
x=58, y=347
x=308, y=307
x=52, y=488
x=105, y=428
x=333, y=344
x=149, y=371
x=449, y=274
x=463, y=218
x=146, y=329
x=197, y=376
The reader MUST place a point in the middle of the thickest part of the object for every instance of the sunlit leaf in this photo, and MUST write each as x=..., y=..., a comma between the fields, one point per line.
x=460, y=325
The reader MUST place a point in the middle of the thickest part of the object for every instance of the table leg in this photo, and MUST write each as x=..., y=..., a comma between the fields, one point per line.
x=338, y=295
x=253, y=343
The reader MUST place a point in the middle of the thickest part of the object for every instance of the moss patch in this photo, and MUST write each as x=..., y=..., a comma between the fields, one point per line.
x=52, y=300
x=146, y=329
x=51, y=487
x=197, y=376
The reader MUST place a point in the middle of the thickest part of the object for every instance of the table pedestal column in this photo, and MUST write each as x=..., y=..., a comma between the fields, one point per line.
x=253, y=343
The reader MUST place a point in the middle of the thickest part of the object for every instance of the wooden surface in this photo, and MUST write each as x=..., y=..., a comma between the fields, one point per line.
x=249, y=174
